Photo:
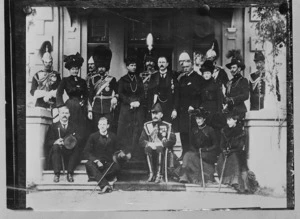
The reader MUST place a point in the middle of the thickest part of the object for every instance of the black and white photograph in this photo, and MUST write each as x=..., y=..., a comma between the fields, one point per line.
x=150, y=106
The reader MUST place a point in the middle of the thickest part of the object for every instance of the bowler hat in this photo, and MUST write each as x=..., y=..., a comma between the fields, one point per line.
x=156, y=108
x=259, y=56
x=208, y=65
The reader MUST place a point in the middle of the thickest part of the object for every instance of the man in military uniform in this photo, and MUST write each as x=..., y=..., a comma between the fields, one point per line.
x=62, y=141
x=237, y=89
x=45, y=82
x=156, y=136
x=146, y=75
x=103, y=93
x=92, y=71
x=257, y=83
x=164, y=90
x=190, y=85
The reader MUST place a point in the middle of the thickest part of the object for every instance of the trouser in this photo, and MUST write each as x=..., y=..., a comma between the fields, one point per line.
x=70, y=157
x=94, y=171
x=185, y=142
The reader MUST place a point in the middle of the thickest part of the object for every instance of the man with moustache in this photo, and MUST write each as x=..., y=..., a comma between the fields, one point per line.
x=237, y=89
x=58, y=144
x=146, y=75
x=156, y=136
x=45, y=82
x=164, y=90
x=91, y=70
x=190, y=85
x=103, y=92
x=131, y=93
x=257, y=83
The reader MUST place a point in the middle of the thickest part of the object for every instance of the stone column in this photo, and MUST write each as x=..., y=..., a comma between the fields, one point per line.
x=37, y=122
x=267, y=141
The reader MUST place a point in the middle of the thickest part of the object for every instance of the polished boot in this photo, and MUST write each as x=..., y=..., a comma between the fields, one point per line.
x=158, y=174
x=150, y=165
x=70, y=177
x=56, y=178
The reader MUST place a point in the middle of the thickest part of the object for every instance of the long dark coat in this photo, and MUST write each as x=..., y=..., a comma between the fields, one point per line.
x=238, y=89
x=204, y=138
x=257, y=90
x=189, y=95
x=130, y=120
x=167, y=90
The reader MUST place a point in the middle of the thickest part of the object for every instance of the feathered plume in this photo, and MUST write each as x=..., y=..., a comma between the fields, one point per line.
x=46, y=47
x=235, y=54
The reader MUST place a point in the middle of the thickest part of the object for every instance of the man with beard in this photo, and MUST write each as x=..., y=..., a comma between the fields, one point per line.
x=146, y=76
x=237, y=89
x=257, y=83
x=164, y=90
x=45, y=82
x=156, y=135
x=190, y=84
x=91, y=71
x=103, y=92
x=61, y=139
x=131, y=93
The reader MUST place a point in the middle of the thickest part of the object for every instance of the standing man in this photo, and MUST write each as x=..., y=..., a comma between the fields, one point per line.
x=257, y=83
x=164, y=90
x=62, y=140
x=131, y=93
x=156, y=136
x=190, y=85
x=103, y=92
x=146, y=75
x=45, y=82
x=92, y=71
x=102, y=151
x=237, y=89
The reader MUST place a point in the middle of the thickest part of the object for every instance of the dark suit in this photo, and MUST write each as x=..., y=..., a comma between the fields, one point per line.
x=167, y=90
x=237, y=89
x=71, y=156
x=102, y=148
x=189, y=95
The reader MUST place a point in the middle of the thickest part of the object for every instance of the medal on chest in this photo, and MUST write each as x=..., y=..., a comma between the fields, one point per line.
x=107, y=88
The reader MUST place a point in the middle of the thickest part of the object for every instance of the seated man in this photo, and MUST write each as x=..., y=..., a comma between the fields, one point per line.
x=62, y=139
x=103, y=154
x=156, y=135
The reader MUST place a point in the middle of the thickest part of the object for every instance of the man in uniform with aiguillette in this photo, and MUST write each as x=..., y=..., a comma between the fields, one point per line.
x=156, y=136
x=92, y=71
x=257, y=83
x=45, y=82
x=103, y=93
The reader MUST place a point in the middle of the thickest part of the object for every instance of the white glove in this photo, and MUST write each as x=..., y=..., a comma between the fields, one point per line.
x=90, y=115
x=190, y=108
x=174, y=114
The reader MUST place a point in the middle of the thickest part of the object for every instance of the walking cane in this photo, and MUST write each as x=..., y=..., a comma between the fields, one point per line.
x=202, y=172
x=223, y=168
x=103, y=176
x=62, y=158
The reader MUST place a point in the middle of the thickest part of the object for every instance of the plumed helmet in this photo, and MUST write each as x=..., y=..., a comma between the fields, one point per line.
x=184, y=56
x=45, y=51
x=102, y=57
x=211, y=53
x=73, y=61
x=236, y=59
x=259, y=56
x=208, y=65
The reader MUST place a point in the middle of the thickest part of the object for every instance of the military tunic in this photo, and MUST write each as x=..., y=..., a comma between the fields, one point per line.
x=47, y=81
x=257, y=90
x=102, y=90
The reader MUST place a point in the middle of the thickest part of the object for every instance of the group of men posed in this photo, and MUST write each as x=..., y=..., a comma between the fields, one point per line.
x=138, y=115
